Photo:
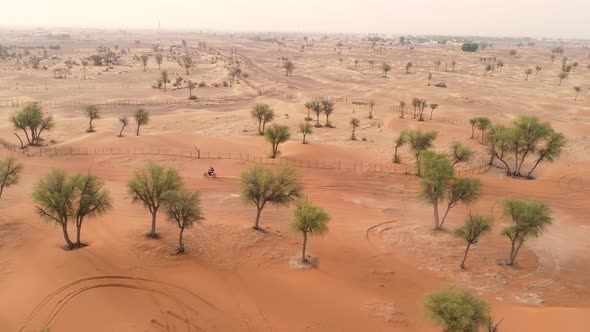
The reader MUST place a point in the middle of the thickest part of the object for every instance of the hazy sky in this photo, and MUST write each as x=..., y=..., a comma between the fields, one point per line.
x=550, y=18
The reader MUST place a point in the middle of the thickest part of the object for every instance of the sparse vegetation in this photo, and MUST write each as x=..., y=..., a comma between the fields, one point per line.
x=460, y=153
x=262, y=185
x=354, y=123
x=142, y=118
x=93, y=113
x=276, y=134
x=183, y=208
x=10, y=172
x=124, y=120
x=455, y=310
x=305, y=129
x=150, y=186
x=33, y=122
x=264, y=114
x=474, y=227
x=309, y=219
x=529, y=219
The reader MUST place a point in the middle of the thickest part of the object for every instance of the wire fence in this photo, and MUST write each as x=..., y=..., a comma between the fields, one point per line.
x=340, y=165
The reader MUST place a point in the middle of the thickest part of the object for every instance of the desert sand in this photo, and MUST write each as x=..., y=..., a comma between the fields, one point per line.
x=380, y=257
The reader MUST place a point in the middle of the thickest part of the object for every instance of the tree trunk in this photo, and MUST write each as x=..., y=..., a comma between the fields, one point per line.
x=436, y=218
x=152, y=232
x=138, y=125
x=121, y=132
x=535, y=166
x=431, y=114
x=472, y=131
x=90, y=126
x=78, y=230
x=327, y=120
x=258, y=211
x=303, y=258
x=64, y=227
x=317, y=120
x=491, y=162
x=22, y=146
x=180, y=244
x=304, y=138
x=465, y=255
x=263, y=126
x=512, y=257
x=260, y=126
x=164, y=86
x=444, y=218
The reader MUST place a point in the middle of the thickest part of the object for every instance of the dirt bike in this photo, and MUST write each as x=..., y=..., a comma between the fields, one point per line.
x=206, y=174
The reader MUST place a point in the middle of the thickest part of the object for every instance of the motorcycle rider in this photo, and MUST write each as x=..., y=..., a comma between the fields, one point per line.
x=211, y=171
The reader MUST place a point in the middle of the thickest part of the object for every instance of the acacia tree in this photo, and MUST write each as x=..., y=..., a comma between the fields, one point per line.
x=371, y=105
x=263, y=113
x=317, y=109
x=33, y=122
x=84, y=65
x=453, y=63
x=183, y=207
x=262, y=185
x=474, y=227
x=432, y=108
x=305, y=129
x=472, y=122
x=408, y=67
x=309, y=219
x=483, y=124
x=150, y=186
x=91, y=200
x=327, y=109
x=354, y=123
x=142, y=118
x=460, y=153
x=529, y=217
x=159, y=59
x=418, y=142
x=456, y=310
x=53, y=196
x=562, y=76
x=289, y=68
x=550, y=151
x=124, y=120
x=437, y=174
x=402, y=104
x=385, y=68
x=356, y=62
x=460, y=190
x=527, y=72
x=275, y=135
x=309, y=106
x=399, y=142
x=187, y=63
x=526, y=137
x=164, y=78
x=144, y=61
x=10, y=171
x=577, y=89
x=93, y=113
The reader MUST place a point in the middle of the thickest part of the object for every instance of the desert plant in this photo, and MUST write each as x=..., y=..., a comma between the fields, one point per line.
x=327, y=109
x=144, y=61
x=512, y=52
x=460, y=153
x=309, y=219
x=385, y=68
x=354, y=123
x=460, y=190
x=432, y=108
x=562, y=76
x=408, y=67
x=356, y=62
x=93, y=113
x=53, y=197
x=150, y=186
x=91, y=200
x=275, y=135
x=399, y=142
x=190, y=85
x=402, y=105
x=10, y=171
x=577, y=89
x=371, y=105
x=262, y=185
x=474, y=227
x=183, y=207
x=418, y=142
x=264, y=114
x=483, y=124
x=455, y=310
x=529, y=218
x=470, y=47
x=124, y=120
x=317, y=109
x=289, y=68
x=84, y=65
x=164, y=78
x=527, y=72
x=537, y=69
x=159, y=59
x=437, y=174
x=305, y=129
x=453, y=63
x=187, y=63
x=31, y=119
x=472, y=122
x=142, y=118
x=309, y=106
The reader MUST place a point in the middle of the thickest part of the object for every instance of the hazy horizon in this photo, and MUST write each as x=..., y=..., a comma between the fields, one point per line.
x=518, y=18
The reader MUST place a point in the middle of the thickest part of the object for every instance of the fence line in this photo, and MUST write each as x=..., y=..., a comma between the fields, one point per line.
x=341, y=165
